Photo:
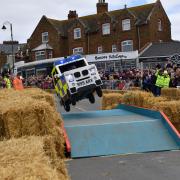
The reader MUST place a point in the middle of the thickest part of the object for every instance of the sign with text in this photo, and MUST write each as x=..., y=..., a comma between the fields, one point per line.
x=112, y=56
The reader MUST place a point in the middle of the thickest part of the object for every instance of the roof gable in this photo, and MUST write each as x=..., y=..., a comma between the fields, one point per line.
x=90, y=23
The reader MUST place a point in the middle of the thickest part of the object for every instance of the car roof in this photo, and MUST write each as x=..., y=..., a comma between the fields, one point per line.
x=67, y=59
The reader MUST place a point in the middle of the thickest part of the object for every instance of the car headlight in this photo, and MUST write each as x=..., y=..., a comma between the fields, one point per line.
x=92, y=71
x=70, y=78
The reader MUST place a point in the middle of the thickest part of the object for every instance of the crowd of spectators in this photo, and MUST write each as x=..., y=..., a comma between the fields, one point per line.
x=40, y=81
x=146, y=79
x=122, y=80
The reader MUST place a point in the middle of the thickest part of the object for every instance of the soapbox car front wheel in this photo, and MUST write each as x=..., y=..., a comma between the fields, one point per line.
x=91, y=98
x=99, y=91
x=73, y=101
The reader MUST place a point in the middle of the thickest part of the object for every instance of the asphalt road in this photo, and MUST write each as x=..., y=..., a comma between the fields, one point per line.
x=145, y=166
x=81, y=106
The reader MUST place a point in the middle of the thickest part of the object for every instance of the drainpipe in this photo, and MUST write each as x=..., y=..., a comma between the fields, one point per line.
x=88, y=42
x=139, y=39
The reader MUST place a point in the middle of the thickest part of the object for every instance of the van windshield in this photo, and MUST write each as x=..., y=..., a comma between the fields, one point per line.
x=71, y=66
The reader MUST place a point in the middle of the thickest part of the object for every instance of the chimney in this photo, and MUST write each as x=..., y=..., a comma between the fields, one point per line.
x=102, y=6
x=72, y=15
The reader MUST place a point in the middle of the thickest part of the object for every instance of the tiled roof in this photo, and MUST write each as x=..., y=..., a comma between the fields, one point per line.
x=162, y=49
x=90, y=22
x=7, y=48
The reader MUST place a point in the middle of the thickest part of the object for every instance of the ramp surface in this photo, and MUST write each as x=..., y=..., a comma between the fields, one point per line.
x=120, y=131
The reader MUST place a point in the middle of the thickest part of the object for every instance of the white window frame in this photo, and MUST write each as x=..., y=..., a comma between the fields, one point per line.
x=78, y=50
x=126, y=24
x=126, y=43
x=77, y=33
x=114, y=48
x=159, y=25
x=100, y=49
x=45, y=37
x=106, y=29
x=40, y=54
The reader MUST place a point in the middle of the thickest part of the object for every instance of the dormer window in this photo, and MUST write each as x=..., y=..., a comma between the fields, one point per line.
x=159, y=25
x=106, y=29
x=126, y=25
x=77, y=33
x=45, y=37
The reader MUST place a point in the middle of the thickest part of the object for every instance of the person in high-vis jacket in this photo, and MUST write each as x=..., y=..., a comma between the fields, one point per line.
x=17, y=83
x=159, y=82
x=7, y=82
x=167, y=80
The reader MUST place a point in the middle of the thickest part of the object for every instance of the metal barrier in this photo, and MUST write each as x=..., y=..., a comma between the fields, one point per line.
x=117, y=84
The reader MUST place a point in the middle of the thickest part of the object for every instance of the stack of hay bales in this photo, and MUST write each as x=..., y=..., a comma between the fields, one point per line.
x=171, y=109
x=31, y=112
x=171, y=93
x=111, y=100
x=144, y=99
x=26, y=158
x=106, y=91
x=141, y=99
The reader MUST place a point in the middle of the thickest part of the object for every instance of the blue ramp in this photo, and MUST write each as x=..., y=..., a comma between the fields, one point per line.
x=119, y=131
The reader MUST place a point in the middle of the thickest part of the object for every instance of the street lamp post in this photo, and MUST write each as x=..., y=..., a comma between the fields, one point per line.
x=12, y=45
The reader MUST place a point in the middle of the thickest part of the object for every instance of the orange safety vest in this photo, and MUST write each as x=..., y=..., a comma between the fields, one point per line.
x=17, y=84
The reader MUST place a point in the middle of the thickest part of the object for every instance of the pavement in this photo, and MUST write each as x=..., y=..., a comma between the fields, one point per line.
x=146, y=166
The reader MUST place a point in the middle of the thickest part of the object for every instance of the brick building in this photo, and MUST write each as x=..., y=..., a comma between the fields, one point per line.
x=21, y=53
x=106, y=31
x=130, y=29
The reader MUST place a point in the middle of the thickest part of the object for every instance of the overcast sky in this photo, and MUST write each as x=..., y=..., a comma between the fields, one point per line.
x=25, y=14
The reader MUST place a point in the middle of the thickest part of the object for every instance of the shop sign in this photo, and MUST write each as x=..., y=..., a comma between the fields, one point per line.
x=112, y=56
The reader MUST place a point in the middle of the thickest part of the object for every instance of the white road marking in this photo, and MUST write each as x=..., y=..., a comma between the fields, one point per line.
x=79, y=108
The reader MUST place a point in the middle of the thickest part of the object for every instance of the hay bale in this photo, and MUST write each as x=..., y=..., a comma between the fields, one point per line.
x=111, y=100
x=107, y=91
x=27, y=116
x=25, y=158
x=137, y=98
x=34, y=93
x=171, y=93
x=171, y=109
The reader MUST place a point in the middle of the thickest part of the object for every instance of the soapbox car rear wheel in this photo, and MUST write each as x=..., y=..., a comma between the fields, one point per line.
x=67, y=106
x=91, y=98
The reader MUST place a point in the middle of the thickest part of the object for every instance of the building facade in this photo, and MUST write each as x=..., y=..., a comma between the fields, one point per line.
x=127, y=29
x=160, y=53
x=8, y=49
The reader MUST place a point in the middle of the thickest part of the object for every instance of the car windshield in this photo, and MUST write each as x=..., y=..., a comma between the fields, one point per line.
x=71, y=66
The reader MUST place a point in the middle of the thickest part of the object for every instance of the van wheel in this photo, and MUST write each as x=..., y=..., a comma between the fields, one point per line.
x=67, y=106
x=91, y=98
x=99, y=91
